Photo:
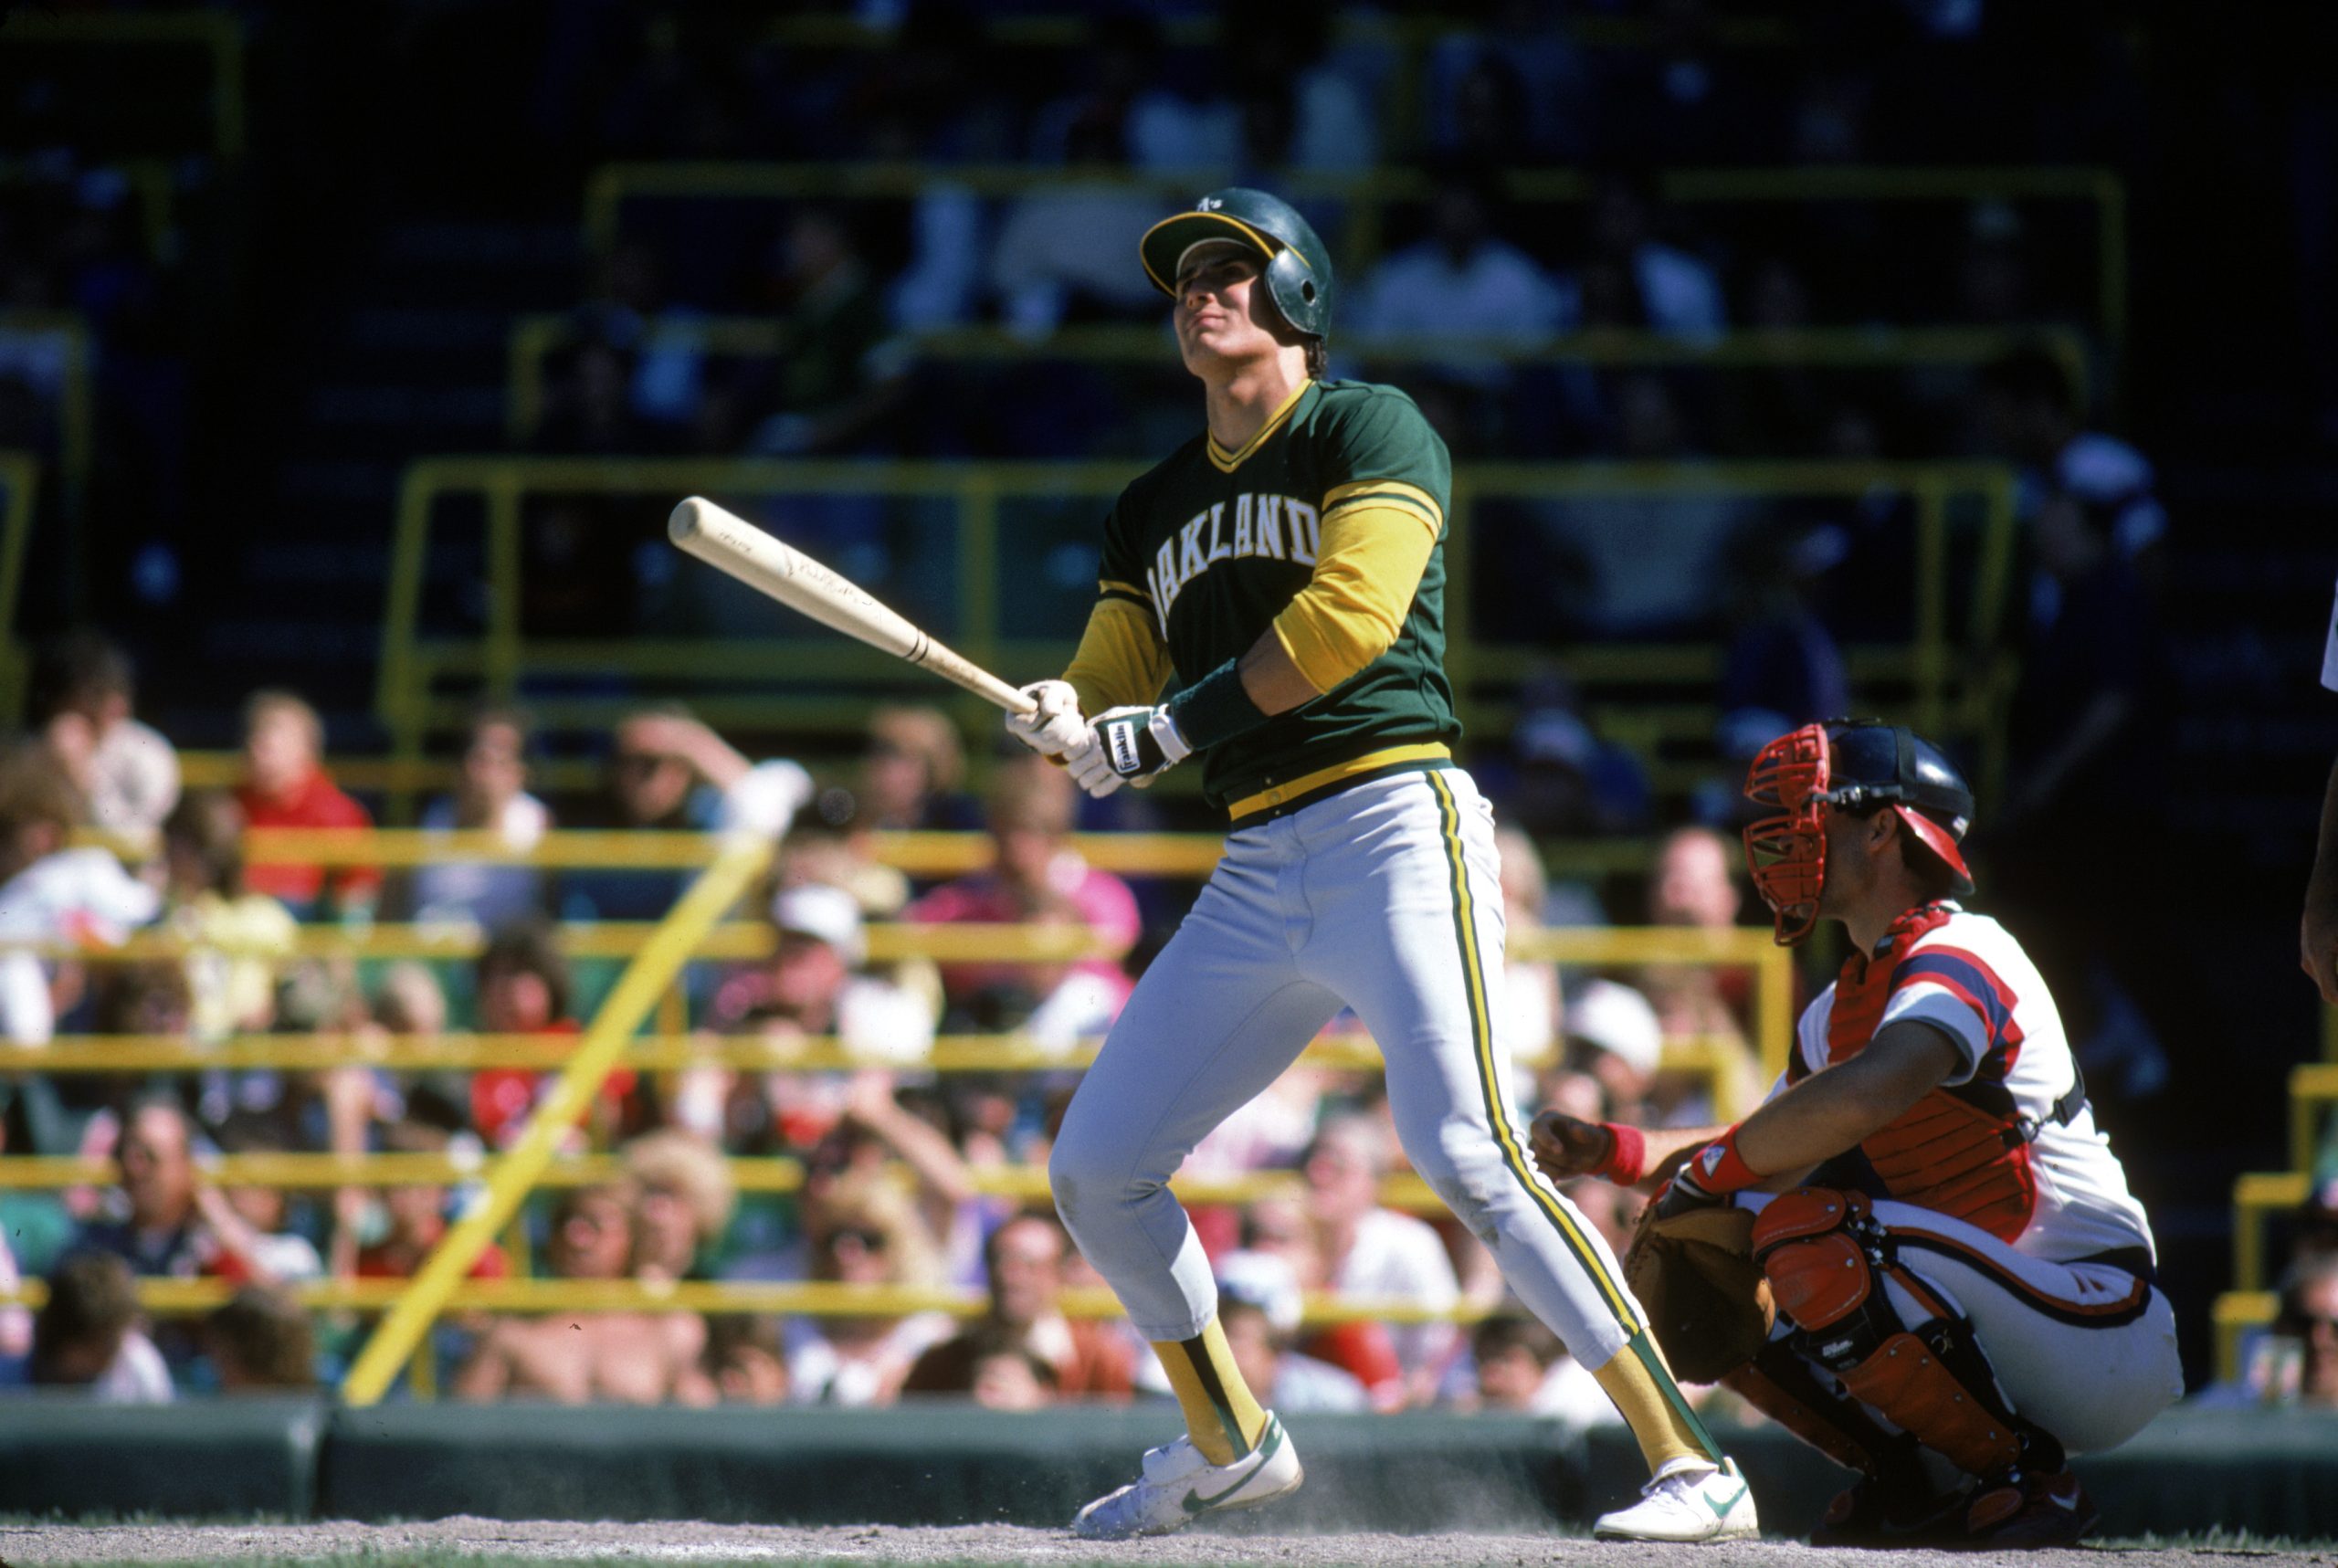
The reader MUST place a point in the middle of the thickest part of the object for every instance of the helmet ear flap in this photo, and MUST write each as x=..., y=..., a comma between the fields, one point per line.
x=1300, y=298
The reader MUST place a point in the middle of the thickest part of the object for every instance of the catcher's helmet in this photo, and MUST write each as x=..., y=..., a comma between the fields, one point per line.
x=1298, y=267
x=1858, y=766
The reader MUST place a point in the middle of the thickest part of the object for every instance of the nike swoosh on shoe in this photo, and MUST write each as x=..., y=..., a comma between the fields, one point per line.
x=1720, y=1509
x=1196, y=1503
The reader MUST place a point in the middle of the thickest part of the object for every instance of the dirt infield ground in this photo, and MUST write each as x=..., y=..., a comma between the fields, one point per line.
x=466, y=1541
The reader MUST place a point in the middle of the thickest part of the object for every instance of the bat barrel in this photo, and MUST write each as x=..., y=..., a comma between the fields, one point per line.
x=738, y=548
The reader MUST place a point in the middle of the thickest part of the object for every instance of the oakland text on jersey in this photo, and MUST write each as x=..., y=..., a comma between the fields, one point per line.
x=1266, y=527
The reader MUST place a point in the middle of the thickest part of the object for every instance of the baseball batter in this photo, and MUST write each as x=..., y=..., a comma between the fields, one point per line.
x=1286, y=567
x=1964, y=1284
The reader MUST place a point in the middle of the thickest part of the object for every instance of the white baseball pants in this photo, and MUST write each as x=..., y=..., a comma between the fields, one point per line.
x=1386, y=897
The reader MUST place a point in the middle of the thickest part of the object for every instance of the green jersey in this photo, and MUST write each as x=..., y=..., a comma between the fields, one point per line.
x=1212, y=544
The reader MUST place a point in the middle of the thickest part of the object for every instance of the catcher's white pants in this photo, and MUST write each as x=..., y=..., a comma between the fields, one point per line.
x=2087, y=1351
x=1386, y=897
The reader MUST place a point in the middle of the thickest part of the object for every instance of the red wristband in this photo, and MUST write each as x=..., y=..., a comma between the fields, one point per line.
x=1626, y=1160
x=1718, y=1168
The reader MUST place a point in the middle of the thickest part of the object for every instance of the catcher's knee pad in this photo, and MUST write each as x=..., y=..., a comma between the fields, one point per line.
x=1825, y=1257
x=1820, y=1250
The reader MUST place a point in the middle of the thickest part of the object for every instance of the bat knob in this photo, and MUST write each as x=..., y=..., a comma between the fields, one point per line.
x=688, y=518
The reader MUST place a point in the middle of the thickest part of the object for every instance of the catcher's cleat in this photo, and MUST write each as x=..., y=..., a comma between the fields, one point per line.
x=1880, y=1514
x=1179, y=1486
x=2023, y=1510
x=1689, y=1500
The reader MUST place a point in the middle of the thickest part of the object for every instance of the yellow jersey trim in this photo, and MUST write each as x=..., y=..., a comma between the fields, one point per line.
x=1391, y=490
x=1404, y=504
x=1268, y=799
x=1225, y=462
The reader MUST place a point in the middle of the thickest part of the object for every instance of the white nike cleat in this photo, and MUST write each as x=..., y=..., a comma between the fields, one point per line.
x=1689, y=1500
x=1179, y=1486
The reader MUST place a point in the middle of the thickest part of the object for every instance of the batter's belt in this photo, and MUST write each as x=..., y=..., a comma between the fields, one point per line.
x=1282, y=799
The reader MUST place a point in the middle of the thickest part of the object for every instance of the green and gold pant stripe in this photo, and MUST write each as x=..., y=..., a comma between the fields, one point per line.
x=1489, y=1072
x=1643, y=1353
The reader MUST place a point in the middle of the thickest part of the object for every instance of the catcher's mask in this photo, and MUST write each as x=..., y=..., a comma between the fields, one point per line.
x=1854, y=765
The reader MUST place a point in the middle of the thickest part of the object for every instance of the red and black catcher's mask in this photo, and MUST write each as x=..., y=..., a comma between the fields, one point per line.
x=1853, y=765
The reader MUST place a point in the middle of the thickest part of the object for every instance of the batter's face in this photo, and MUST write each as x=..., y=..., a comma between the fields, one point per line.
x=1223, y=317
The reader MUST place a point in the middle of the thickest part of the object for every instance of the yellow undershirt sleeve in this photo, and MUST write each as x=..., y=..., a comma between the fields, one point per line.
x=1369, y=566
x=1122, y=661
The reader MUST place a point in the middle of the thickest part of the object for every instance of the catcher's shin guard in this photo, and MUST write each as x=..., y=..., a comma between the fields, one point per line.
x=1780, y=1385
x=1824, y=1255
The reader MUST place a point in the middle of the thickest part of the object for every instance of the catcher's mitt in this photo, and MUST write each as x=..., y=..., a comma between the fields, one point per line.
x=1706, y=1300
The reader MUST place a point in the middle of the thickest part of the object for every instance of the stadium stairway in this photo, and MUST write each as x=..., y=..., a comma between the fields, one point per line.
x=410, y=363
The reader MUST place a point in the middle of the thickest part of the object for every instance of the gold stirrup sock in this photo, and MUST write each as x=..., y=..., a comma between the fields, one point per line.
x=1222, y=1418
x=1640, y=1383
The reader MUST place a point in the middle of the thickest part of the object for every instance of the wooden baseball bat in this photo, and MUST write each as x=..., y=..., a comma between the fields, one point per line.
x=732, y=544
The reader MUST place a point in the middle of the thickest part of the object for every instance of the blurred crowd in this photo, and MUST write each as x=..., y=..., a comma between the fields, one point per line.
x=892, y=1151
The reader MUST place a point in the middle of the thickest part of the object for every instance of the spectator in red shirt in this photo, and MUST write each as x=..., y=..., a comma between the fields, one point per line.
x=417, y=1217
x=524, y=989
x=286, y=786
x=1033, y=866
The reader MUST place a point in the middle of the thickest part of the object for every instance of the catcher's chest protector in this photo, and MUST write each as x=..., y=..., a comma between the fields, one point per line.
x=1959, y=1152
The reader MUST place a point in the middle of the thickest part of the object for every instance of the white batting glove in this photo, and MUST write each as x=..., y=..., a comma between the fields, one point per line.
x=1127, y=745
x=1055, y=729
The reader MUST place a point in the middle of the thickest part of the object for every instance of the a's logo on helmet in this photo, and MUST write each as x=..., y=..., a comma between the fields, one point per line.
x=1207, y=204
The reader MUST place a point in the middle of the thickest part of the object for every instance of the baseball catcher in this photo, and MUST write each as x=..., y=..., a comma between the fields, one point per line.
x=1919, y=1255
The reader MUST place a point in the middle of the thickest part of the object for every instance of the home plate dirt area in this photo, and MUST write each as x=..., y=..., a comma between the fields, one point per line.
x=474, y=1542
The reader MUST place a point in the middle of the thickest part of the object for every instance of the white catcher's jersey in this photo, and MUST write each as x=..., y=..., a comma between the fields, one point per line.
x=2061, y=1196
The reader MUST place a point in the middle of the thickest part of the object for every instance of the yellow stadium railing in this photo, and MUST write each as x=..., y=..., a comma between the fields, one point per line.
x=1715, y=1058
x=777, y=1174
x=536, y=337
x=217, y=32
x=957, y=942
x=1191, y=856
x=2314, y=1088
x=77, y=419
x=1951, y=680
x=809, y=1298
x=584, y=1063
x=2235, y=1315
x=508, y=1182
x=2257, y=1197
x=1368, y=196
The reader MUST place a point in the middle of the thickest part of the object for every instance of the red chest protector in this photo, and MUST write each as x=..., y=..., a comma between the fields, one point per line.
x=1962, y=1151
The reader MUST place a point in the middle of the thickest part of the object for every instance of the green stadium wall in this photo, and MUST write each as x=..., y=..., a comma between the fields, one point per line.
x=2269, y=1473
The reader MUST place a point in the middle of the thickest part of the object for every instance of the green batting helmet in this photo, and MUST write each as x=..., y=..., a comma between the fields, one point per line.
x=1298, y=267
